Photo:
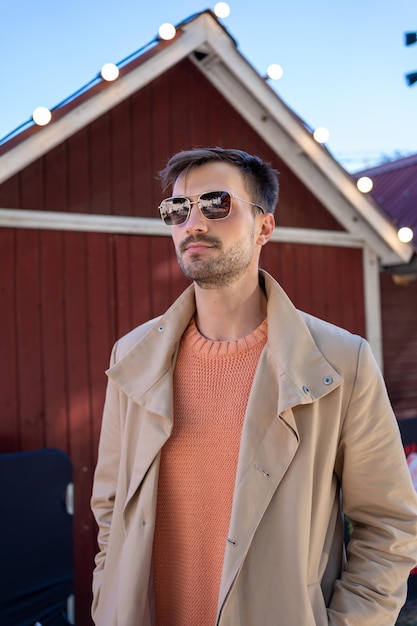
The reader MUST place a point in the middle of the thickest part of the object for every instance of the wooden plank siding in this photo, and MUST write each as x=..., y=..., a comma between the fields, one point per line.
x=323, y=280
x=399, y=307
x=65, y=297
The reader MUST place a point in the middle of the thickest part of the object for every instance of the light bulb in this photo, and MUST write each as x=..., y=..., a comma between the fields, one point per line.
x=364, y=184
x=222, y=9
x=274, y=71
x=167, y=31
x=109, y=71
x=321, y=134
x=405, y=234
x=41, y=116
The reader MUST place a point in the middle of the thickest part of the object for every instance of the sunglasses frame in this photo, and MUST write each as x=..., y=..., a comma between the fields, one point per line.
x=199, y=201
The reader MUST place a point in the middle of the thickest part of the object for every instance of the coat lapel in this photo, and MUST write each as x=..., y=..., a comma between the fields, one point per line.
x=155, y=429
x=268, y=445
x=144, y=373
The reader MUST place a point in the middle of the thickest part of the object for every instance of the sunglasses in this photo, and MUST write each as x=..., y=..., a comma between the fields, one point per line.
x=214, y=205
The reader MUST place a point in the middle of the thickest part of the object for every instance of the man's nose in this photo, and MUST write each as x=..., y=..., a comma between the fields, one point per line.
x=196, y=221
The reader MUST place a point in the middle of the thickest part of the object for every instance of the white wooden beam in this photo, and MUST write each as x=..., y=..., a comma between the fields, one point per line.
x=82, y=222
x=373, y=322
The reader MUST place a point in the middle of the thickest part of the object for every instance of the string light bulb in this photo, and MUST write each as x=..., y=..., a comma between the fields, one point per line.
x=364, y=184
x=321, y=134
x=109, y=72
x=405, y=234
x=221, y=9
x=167, y=31
x=274, y=71
x=41, y=116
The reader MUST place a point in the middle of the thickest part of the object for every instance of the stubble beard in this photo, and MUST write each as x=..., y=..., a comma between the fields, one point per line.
x=222, y=270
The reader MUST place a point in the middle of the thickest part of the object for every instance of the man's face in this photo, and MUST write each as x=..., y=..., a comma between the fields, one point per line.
x=217, y=253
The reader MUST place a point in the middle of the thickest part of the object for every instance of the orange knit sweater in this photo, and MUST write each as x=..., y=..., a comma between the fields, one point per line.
x=212, y=382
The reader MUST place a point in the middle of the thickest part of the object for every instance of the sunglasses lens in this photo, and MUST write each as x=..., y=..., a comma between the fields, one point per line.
x=174, y=210
x=215, y=205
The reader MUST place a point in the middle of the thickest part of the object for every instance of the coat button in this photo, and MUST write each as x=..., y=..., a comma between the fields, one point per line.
x=327, y=380
x=160, y=329
x=306, y=389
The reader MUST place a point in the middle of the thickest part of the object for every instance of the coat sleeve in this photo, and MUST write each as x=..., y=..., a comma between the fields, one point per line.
x=105, y=479
x=380, y=501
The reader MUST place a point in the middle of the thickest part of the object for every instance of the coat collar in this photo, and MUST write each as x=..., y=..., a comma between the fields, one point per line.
x=304, y=373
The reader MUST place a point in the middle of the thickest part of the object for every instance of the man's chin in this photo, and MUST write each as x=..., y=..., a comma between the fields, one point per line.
x=207, y=280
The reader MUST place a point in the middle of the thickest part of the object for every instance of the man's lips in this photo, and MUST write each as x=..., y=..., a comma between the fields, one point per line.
x=196, y=247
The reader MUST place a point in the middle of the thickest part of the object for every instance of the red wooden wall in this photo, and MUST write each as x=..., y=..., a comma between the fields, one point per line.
x=399, y=323
x=324, y=280
x=65, y=297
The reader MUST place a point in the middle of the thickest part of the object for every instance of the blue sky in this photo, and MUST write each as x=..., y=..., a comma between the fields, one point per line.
x=344, y=62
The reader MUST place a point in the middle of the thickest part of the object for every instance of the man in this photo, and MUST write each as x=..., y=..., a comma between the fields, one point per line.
x=235, y=431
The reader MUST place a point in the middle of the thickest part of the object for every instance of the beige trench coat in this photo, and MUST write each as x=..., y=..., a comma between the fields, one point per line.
x=318, y=418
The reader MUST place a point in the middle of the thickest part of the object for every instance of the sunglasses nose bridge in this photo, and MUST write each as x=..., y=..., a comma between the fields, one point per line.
x=195, y=219
x=190, y=204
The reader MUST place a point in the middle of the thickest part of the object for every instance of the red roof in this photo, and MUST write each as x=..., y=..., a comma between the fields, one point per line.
x=395, y=190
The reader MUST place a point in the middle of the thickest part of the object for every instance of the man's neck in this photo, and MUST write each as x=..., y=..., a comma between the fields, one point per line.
x=230, y=313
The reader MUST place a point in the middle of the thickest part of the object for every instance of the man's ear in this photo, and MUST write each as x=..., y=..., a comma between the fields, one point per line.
x=266, y=229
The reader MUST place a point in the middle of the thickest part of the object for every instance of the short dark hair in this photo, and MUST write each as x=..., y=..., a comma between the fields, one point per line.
x=260, y=177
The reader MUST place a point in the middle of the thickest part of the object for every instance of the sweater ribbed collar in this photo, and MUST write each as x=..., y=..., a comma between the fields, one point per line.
x=193, y=340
